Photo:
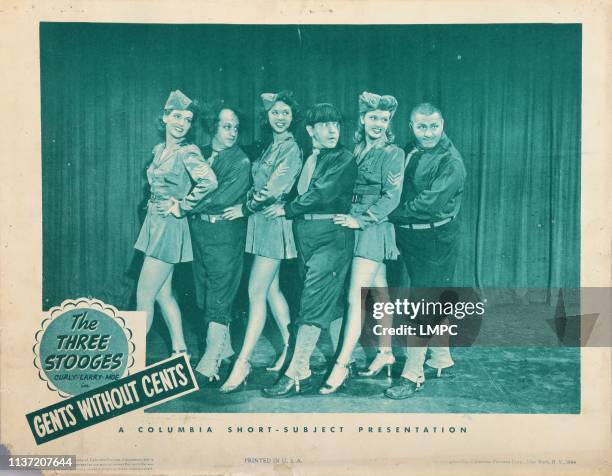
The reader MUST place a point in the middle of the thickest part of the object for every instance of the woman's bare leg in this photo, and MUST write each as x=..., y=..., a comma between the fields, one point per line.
x=152, y=277
x=172, y=314
x=262, y=276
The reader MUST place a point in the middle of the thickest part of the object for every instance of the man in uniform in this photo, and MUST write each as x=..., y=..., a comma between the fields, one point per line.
x=218, y=244
x=325, y=250
x=426, y=228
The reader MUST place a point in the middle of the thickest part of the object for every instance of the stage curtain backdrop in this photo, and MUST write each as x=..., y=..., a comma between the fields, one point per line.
x=510, y=95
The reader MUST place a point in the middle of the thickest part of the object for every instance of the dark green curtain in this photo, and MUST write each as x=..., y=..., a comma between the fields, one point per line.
x=510, y=94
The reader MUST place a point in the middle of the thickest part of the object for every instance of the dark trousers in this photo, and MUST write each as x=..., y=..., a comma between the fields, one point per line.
x=430, y=257
x=325, y=251
x=218, y=257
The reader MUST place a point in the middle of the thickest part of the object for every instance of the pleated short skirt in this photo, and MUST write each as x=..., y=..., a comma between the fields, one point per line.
x=376, y=243
x=166, y=238
x=272, y=238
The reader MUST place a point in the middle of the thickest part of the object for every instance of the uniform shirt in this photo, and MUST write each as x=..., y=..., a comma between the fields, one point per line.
x=172, y=171
x=232, y=168
x=331, y=187
x=433, y=184
x=274, y=174
x=378, y=187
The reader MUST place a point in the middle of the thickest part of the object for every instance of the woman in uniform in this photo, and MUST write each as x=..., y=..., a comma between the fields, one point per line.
x=269, y=239
x=179, y=177
x=377, y=193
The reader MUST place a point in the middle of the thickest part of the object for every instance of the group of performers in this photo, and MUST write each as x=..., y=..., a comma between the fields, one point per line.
x=341, y=214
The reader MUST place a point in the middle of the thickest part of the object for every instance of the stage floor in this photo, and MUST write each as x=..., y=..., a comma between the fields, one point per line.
x=485, y=380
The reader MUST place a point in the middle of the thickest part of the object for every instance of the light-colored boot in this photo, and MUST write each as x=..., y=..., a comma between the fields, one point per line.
x=413, y=368
x=440, y=359
x=297, y=379
x=305, y=342
x=218, y=347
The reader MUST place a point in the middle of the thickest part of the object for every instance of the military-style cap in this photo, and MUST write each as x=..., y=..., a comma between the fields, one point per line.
x=268, y=100
x=177, y=100
x=371, y=102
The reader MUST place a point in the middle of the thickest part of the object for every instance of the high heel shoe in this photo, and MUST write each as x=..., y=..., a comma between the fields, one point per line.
x=238, y=377
x=280, y=361
x=382, y=360
x=334, y=381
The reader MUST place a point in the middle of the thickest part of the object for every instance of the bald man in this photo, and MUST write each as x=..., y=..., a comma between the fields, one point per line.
x=426, y=228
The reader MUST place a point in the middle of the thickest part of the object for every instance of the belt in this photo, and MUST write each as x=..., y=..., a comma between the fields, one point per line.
x=358, y=197
x=156, y=197
x=319, y=216
x=427, y=226
x=208, y=218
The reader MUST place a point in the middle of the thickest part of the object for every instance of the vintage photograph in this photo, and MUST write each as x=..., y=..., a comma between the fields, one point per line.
x=242, y=184
x=305, y=237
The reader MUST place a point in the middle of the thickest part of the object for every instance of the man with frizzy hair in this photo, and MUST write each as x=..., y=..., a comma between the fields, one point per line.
x=426, y=228
x=325, y=249
x=218, y=243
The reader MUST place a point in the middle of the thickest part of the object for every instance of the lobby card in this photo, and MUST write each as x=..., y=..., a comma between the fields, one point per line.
x=85, y=387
